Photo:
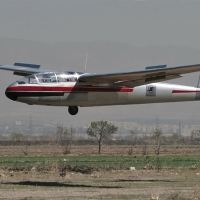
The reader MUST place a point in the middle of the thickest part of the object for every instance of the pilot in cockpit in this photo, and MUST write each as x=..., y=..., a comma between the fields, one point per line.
x=46, y=78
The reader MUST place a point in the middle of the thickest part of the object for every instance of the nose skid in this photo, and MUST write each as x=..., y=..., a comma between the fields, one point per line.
x=11, y=95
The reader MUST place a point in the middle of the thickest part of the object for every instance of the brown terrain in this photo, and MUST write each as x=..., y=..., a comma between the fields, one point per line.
x=166, y=184
x=110, y=150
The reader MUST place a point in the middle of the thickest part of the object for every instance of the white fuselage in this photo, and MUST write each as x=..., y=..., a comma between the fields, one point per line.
x=80, y=94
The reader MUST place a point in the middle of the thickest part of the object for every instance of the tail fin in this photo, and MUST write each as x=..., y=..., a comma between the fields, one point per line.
x=198, y=84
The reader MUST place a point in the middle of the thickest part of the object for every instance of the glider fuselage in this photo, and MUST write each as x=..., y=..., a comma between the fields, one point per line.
x=85, y=94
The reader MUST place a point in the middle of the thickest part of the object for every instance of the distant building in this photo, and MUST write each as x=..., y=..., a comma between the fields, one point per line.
x=18, y=123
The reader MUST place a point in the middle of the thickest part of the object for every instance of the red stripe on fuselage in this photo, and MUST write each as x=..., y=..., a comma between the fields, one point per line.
x=65, y=89
x=185, y=91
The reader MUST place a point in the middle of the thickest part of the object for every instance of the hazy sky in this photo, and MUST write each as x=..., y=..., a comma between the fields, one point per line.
x=150, y=22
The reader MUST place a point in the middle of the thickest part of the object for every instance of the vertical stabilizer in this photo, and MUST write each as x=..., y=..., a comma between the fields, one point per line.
x=198, y=84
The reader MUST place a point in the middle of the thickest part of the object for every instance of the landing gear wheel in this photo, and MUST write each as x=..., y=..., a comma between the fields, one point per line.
x=73, y=110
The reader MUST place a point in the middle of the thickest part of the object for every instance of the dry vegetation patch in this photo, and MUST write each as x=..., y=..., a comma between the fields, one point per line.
x=89, y=176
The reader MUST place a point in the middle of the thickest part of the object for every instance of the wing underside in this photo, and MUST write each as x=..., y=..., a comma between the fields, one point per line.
x=136, y=78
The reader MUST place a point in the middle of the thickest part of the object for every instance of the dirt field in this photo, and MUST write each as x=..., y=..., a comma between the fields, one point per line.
x=114, y=184
x=173, y=184
x=121, y=150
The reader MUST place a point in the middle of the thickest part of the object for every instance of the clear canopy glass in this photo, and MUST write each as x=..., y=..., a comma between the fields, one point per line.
x=49, y=77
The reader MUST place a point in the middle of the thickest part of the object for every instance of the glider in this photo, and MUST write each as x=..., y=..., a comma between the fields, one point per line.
x=76, y=89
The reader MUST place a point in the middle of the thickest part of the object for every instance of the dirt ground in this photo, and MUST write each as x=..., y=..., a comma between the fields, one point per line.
x=120, y=150
x=113, y=184
x=141, y=184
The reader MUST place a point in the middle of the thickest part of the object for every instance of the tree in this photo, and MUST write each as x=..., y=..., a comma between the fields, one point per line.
x=195, y=135
x=134, y=138
x=156, y=140
x=19, y=138
x=145, y=143
x=133, y=134
x=174, y=136
x=101, y=130
x=65, y=137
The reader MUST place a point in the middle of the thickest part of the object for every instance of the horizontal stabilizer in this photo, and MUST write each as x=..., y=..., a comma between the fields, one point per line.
x=27, y=65
x=156, y=67
x=23, y=69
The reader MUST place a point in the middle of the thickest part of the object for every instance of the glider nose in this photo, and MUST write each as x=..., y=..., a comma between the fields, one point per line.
x=11, y=95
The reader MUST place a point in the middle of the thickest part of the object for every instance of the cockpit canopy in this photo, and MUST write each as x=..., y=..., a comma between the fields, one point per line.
x=50, y=77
